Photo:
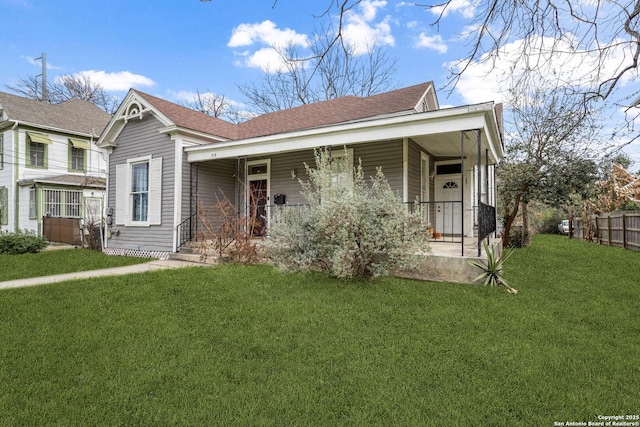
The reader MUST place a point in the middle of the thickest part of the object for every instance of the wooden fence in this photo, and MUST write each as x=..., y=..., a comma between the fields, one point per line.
x=621, y=229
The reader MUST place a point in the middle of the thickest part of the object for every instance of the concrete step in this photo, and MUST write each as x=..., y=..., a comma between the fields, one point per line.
x=194, y=257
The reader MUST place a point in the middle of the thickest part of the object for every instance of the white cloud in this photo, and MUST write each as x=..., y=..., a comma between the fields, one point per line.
x=466, y=8
x=266, y=36
x=432, y=42
x=265, y=33
x=554, y=60
x=118, y=81
x=360, y=30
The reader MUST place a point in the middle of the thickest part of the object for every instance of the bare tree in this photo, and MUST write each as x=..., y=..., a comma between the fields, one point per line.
x=591, y=33
x=64, y=88
x=331, y=70
x=216, y=106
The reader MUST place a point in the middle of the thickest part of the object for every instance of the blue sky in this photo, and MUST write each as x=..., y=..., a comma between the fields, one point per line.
x=171, y=48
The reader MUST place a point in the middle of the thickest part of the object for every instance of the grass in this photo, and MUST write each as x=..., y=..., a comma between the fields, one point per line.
x=59, y=261
x=234, y=345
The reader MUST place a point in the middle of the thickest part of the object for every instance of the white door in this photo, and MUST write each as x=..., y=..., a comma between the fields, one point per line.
x=449, y=206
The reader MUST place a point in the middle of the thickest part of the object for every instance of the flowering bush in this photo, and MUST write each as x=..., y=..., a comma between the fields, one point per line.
x=351, y=228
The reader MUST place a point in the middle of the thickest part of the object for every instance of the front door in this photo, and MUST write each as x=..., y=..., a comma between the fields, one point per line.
x=449, y=206
x=258, y=195
x=258, y=207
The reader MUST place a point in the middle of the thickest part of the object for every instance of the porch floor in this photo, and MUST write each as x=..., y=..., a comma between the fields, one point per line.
x=453, y=249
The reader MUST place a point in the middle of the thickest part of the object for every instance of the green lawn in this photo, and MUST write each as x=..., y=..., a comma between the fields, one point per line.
x=234, y=345
x=59, y=261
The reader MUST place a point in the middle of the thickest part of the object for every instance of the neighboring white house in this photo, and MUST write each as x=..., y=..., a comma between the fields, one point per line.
x=49, y=162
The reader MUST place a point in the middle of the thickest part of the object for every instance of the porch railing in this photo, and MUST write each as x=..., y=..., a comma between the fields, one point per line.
x=186, y=230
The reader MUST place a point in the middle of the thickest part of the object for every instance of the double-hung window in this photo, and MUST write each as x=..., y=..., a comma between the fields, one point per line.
x=78, y=154
x=37, y=149
x=138, y=192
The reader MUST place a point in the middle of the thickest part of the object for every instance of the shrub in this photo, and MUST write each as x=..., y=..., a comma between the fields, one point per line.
x=351, y=228
x=518, y=238
x=21, y=242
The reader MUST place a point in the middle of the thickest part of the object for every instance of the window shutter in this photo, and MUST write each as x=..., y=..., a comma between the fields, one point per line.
x=155, y=191
x=121, y=194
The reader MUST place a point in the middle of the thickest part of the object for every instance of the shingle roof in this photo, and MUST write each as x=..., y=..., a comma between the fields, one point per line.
x=190, y=119
x=74, y=115
x=318, y=114
x=339, y=110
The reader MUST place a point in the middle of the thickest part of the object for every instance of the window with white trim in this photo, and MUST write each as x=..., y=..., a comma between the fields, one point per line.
x=341, y=171
x=138, y=192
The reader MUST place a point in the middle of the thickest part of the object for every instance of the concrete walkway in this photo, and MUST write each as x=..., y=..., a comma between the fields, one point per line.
x=114, y=271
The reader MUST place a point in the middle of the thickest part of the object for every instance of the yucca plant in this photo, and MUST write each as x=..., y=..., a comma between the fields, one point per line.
x=493, y=268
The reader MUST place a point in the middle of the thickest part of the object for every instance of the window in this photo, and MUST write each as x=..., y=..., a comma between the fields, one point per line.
x=138, y=192
x=37, y=149
x=32, y=203
x=342, y=166
x=36, y=154
x=4, y=206
x=62, y=203
x=78, y=154
x=77, y=158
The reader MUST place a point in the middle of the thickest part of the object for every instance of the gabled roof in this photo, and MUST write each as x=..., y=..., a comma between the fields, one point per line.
x=187, y=118
x=75, y=116
x=417, y=98
x=339, y=110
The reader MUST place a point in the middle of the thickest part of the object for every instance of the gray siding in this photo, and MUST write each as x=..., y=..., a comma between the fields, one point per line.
x=216, y=181
x=281, y=180
x=388, y=155
x=141, y=138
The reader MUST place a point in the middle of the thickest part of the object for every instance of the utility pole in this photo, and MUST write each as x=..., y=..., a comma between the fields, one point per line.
x=43, y=58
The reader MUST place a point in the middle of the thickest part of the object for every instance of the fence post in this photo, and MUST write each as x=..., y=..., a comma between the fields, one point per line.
x=624, y=231
x=609, y=229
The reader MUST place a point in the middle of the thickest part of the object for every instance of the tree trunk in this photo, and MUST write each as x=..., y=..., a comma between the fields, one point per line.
x=525, y=224
x=511, y=216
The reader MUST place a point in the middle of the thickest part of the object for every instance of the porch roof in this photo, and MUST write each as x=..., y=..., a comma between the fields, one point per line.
x=438, y=132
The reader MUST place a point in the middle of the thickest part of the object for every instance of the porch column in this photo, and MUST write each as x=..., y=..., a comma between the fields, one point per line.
x=405, y=170
x=479, y=196
x=462, y=192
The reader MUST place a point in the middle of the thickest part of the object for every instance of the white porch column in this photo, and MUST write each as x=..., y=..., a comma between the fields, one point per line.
x=405, y=170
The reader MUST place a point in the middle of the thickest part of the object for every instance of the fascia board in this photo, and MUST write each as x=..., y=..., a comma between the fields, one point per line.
x=23, y=124
x=190, y=136
x=118, y=120
x=440, y=121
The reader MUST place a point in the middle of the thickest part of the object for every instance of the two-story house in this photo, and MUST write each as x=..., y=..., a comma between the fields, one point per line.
x=50, y=166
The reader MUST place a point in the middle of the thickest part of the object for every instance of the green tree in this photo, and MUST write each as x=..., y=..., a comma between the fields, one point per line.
x=549, y=152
